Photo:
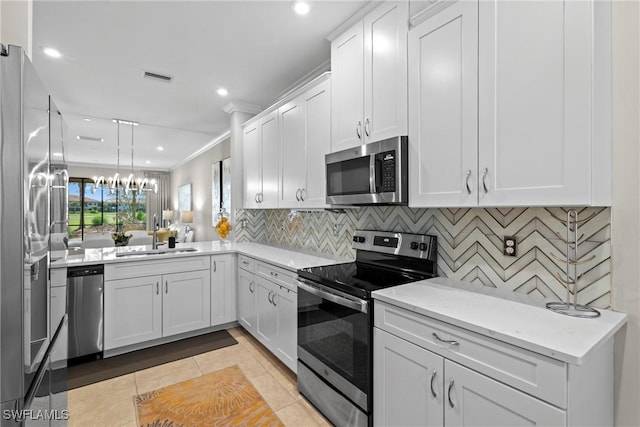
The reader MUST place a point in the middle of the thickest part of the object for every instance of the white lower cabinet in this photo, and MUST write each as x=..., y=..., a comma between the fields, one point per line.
x=416, y=387
x=223, y=289
x=267, y=307
x=186, y=302
x=432, y=373
x=132, y=311
x=247, y=313
x=144, y=308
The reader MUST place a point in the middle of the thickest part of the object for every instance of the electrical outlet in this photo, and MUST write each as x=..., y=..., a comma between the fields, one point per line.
x=509, y=246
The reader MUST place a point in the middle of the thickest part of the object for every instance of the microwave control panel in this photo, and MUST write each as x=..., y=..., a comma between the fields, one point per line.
x=388, y=160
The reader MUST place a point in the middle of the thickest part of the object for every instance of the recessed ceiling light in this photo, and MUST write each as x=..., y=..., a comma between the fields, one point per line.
x=56, y=154
x=148, y=162
x=301, y=8
x=49, y=51
x=87, y=119
x=160, y=148
x=222, y=92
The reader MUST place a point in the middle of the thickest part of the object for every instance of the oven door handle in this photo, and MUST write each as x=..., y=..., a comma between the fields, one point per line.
x=354, y=303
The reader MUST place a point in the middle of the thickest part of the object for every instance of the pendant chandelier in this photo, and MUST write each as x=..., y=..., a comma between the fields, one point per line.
x=130, y=183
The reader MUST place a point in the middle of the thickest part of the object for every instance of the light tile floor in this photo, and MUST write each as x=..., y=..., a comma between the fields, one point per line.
x=110, y=403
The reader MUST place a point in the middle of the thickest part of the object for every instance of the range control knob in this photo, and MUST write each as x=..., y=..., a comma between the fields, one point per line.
x=358, y=239
x=414, y=245
x=424, y=246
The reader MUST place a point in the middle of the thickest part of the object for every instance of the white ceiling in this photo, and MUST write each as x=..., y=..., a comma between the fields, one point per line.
x=255, y=49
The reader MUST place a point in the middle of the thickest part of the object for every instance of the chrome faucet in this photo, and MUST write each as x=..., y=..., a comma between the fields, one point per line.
x=154, y=242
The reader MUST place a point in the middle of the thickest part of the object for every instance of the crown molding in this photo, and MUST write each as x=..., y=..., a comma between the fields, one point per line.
x=242, y=107
x=207, y=147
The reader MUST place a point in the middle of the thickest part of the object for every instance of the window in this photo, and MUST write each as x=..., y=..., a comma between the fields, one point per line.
x=101, y=212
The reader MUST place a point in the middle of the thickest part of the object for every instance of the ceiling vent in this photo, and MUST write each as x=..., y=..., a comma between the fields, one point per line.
x=156, y=76
x=89, y=138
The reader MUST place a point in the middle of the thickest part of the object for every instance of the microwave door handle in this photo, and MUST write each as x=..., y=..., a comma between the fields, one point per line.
x=372, y=174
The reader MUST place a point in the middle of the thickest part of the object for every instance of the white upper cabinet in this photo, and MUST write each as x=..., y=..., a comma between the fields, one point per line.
x=284, y=150
x=443, y=94
x=305, y=127
x=535, y=101
x=509, y=104
x=369, y=75
x=260, y=151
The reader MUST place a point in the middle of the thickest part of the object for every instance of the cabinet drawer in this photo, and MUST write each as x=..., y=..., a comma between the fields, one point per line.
x=530, y=372
x=246, y=263
x=125, y=270
x=278, y=275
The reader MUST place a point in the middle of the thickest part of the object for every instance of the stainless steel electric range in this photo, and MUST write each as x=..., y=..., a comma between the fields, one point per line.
x=335, y=320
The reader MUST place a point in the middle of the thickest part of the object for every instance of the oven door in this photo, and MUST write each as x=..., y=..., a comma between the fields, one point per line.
x=334, y=339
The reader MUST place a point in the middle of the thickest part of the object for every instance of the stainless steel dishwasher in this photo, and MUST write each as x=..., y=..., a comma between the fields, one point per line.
x=85, y=286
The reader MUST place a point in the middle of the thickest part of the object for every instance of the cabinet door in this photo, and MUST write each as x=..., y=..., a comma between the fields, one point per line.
x=347, y=65
x=473, y=399
x=186, y=303
x=286, y=305
x=223, y=289
x=385, y=71
x=317, y=134
x=535, y=102
x=292, y=154
x=267, y=322
x=252, y=163
x=443, y=94
x=407, y=386
x=132, y=311
x=270, y=134
x=247, y=314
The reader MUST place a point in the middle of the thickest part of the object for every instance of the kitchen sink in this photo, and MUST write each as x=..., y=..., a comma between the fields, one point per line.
x=155, y=251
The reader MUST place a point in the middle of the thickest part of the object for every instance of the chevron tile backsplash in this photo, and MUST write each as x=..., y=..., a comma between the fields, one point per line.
x=469, y=242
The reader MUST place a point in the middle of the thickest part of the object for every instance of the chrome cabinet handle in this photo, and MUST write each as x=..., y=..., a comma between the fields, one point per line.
x=273, y=274
x=449, y=393
x=452, y=342
x=269, y=297
x=433, y=377
x=467, y=181
x=273, y=299
x=245, y=262
x=166, y=286
x=260, y=197
x=157, y=288
x=214, y=266
x=256, y=198
x=358, y=127
x=366, y=127
x=484, y=180
x=251, y=288
x=297, y=196
x=302, y=191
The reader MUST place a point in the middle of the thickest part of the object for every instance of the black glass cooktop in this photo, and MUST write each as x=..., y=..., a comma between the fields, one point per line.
x=359, y=279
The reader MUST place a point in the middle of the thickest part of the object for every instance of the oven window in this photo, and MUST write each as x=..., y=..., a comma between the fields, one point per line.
x=348, y=177
x=336, y=335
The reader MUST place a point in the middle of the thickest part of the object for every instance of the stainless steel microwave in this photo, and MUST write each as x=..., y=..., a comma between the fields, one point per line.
x=369, y=174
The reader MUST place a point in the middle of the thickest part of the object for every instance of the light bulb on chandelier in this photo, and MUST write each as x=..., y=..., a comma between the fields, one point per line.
x=130, y=183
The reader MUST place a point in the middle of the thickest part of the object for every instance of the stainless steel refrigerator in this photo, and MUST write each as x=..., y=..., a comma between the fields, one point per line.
x=28, y=333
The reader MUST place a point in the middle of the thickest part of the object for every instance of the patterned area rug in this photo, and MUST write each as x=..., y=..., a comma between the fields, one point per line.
x=222, y=398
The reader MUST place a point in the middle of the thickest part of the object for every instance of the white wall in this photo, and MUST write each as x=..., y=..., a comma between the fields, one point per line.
x=625, y=213
x=198, y=172
x=16, y=19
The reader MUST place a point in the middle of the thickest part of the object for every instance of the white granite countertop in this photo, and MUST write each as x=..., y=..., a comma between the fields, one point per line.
x=285, y=258
x=507, y=316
